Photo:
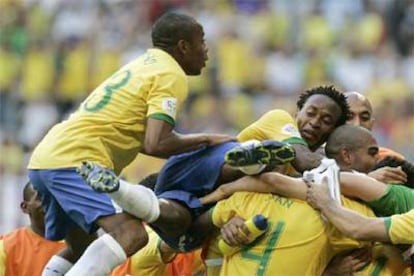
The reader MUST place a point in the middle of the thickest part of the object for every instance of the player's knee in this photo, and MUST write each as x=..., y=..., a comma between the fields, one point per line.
x=131, y=235
x=127, y=230
x=174, y=218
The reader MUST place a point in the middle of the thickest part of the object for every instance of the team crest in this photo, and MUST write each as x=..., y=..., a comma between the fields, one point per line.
x=169, y=105
x=290, y=129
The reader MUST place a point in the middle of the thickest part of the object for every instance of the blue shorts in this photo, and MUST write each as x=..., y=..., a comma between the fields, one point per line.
x=188, y=176
x=69, y=202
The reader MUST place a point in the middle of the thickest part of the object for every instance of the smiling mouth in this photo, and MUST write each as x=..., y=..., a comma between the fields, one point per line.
x=308, y=134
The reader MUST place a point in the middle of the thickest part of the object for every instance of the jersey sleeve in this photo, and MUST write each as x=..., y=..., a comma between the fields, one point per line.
x=396, y=200
x=401, y=228
x=2, y=258
x=167, y=97
x=149, y=257
x=275, y=125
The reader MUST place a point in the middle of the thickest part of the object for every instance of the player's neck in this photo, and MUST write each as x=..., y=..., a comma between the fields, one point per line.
x=37, y=229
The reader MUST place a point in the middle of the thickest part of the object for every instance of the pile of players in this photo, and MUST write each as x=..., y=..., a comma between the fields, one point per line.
x=210, y=183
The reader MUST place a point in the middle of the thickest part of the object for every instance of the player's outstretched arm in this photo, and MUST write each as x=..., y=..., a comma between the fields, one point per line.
x=271, y=182
x=162, y=141
x=244, y=184
x=361, y=186
x=347, y=221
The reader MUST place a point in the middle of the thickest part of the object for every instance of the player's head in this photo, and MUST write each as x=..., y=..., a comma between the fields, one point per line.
x=183, y=37
x=406, y=166
x=361, y=110
x=320, y=110
x=32, y=205
x=353, y=148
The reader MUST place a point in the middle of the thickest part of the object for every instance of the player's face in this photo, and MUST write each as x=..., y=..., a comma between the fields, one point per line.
x=365, y=157
x=361, y=113
x=317, y=119
x=33, y=207
x=195, y=56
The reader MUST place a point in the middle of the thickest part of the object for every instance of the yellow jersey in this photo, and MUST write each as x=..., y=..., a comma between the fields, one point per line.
x=401, y=228
x=109, y=126
x=297, y=242
x=147, y=261
x=386, y=260
x=278, y=125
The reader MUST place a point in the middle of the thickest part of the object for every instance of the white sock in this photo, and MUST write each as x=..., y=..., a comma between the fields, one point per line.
x=137, y=200
x=57, y=266
x=100, y=258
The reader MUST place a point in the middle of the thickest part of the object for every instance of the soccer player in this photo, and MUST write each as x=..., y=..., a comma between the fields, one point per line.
x=25, y=251
x=362, y=115
x=186, y=177
x=133, y=111
x=355, y=150
x=297, y=242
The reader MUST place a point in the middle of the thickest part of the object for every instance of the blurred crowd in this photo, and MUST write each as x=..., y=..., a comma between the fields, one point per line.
x=262, y=55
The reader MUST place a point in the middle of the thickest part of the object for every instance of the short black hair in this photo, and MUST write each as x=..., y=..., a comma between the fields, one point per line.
x=331, y=92
x=406, y=166
x=169, y=28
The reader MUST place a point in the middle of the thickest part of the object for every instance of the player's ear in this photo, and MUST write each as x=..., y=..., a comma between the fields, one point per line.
x=24, y=207
x=182, y=46
x=345, y=155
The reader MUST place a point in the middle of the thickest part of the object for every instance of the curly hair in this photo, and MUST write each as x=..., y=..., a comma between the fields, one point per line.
x=331, y=92
x=406, y=166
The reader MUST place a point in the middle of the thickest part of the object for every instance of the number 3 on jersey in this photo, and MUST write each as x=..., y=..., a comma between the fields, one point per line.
x=115, y=82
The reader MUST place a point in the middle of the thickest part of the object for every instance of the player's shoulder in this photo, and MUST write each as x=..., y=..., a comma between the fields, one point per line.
x=281, y=113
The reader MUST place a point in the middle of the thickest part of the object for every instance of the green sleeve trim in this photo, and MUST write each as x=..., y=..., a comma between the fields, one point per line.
x=163, y=117
x=295, y=140
x=387, y=224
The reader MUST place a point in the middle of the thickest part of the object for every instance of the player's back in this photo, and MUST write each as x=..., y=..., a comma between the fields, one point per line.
x=109, y=125
x=295, y=234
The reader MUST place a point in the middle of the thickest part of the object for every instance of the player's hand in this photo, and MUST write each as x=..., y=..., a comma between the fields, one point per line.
x=215, y=139
x=389, y=175
x=235, y=232
x=317, y=194
x=349, y=263
x=214, y=196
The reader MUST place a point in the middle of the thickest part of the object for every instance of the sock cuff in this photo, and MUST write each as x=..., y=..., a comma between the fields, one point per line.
x=114, y=246
x=154, y=213
x=57, y=265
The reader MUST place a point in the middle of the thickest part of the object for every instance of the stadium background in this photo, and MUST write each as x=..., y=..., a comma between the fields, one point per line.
x=263, y=54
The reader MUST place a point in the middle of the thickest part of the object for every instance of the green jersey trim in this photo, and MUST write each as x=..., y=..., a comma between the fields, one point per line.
x=295, y=140
x=163, y=117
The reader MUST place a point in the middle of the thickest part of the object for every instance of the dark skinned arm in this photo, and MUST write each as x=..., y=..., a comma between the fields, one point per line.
x=162, y=141
x=305, y=158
